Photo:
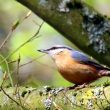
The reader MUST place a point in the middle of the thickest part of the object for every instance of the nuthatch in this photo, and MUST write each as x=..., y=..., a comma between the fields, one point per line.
x=75, y=66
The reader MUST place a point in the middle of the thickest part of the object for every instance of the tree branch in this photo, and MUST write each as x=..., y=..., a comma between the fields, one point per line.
x=49, y=98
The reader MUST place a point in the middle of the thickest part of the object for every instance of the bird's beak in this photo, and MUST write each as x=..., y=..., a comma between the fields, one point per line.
x=43, y=51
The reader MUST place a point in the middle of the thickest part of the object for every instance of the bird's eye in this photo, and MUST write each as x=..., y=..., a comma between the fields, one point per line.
x=53, y=48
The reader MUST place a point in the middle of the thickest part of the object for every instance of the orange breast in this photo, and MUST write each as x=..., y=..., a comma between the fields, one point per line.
x=75, y=72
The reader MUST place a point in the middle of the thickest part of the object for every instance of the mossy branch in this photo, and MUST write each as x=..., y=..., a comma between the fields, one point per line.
x=78, y=22
x=49, y=98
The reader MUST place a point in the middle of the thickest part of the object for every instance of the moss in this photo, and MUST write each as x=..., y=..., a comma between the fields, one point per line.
x=88, y=98
x=11, y=107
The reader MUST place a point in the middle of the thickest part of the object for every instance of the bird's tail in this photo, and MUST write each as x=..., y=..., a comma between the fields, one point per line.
x=104, y=72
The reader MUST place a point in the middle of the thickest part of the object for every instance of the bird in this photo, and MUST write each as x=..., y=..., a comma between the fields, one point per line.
x=75, y=66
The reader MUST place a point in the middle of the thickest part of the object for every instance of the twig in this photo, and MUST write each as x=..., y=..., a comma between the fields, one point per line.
x=13, y=28
x=12, y=99
x=17, y=87
x=1, y=87
x=6, y=39
x=13, y=61
x=8, y=70
x=29, y=40
x=31, y=60
x=36, y=59
x=18, y=64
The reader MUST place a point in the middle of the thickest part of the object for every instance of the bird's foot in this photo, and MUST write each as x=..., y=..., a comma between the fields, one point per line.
x=81, y=86
x=74, y=87
x=77, y=87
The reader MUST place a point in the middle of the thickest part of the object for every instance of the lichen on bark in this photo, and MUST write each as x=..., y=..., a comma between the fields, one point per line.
x=49, y=98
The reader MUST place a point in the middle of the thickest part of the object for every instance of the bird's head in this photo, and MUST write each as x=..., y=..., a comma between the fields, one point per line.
x=57, y=50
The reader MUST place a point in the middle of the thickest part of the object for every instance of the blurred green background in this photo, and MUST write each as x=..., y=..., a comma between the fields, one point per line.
x=43, y=71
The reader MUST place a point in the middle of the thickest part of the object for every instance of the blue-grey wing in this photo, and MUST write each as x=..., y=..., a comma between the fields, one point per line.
x=82, y=58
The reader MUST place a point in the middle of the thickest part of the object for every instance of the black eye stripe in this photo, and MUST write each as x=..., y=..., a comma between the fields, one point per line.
x=53, y=48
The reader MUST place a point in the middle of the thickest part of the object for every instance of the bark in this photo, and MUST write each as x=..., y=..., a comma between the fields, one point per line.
x=50, y=99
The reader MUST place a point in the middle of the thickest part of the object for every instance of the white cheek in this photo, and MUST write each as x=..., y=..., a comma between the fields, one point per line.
x=53, y=52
